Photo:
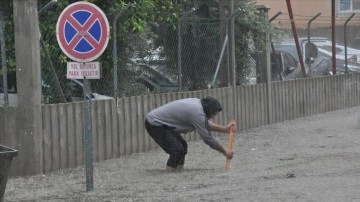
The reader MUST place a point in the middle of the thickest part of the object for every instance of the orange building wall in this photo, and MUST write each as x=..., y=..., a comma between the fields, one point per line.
x=299, y=7
x=303, y=11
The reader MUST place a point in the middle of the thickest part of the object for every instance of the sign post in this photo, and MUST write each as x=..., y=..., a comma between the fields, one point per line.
x=82, y=33
x=88, y=136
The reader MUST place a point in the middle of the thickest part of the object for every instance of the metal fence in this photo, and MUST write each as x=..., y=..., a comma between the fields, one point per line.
x=146, y=67
x=192, y=56
x=320, y=25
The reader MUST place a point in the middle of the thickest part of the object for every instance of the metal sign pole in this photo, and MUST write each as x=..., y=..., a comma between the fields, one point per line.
x=76, y=16
x=88, y=136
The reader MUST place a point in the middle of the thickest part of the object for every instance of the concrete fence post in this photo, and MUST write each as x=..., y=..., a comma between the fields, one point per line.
x=28, y=74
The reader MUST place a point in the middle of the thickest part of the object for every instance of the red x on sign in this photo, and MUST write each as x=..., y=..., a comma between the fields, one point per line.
x=82, y=31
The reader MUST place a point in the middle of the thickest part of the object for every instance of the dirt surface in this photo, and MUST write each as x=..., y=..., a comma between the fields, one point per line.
x=309, y=159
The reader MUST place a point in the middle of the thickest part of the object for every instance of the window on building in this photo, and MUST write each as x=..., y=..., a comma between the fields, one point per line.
x=349, y=5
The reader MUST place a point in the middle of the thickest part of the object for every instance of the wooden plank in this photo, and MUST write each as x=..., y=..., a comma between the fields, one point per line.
x=95, y=126
x=47, y=139
x=327, y=94
x=287, y=104
x=140, y=123
x=342, y=85
x=334, y=93
x=127, y=126
x=134, y=133
x=302, y=98
x=315, y=95
x=310, y=105
x=100, y=132
x=274, y=101
x=108, y=128
x=252, y=105
x=238, y=113
x=318, y=92
x=280, y=100
x=79, y=133
x=356, y=82
x=246, y=107
x=294, y=99
x=152, y=105
x=307, y=97
x=114, y=129
x=230, y=145
x=242, y=116
x=63, y=124
x=340, y=93
x=163, y=99
x=121, y=126
x=321, y=93
x=227, y=98
x=350, y=91
x=55, y=154
x=354, y=90
x=331, y=93
x=146, y=109
x=3, y=115
x=168, y=97
x=71, y=122
x=255, y=109
x=277, y=99
x=262, y=109
x=63, y=136
x=289, y=92
x=258, y=106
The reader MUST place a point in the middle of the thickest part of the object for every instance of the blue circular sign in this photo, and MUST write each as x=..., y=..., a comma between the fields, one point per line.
x=82, y=31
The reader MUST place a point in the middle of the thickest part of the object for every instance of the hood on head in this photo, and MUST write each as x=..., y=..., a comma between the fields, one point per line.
x=210, y=106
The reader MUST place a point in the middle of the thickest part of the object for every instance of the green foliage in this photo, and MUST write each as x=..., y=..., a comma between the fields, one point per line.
x=201, y=38
x=144, y=26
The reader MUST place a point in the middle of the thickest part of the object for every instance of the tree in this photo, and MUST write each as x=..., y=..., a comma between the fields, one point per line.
x=146, y=27
x=203, y=38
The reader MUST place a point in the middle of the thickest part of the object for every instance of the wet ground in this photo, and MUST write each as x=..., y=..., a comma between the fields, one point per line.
x=309, y=159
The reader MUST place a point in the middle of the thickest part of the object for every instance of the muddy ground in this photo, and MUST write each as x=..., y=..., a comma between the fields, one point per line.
x=315, y=158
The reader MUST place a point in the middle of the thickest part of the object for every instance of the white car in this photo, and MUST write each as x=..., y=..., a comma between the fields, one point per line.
x=325, y=47
x=315, y=64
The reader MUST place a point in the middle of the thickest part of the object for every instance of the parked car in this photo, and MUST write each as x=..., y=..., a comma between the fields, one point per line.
x=284, y=66
x=156, y=80
x=315, y=63
x=325, y=46
x=353, y=55
x=151, y=71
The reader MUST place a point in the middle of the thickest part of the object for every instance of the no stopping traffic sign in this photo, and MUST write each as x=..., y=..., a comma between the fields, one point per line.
x=82, y=31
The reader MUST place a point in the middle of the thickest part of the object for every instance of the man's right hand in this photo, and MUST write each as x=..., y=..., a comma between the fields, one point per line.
x=229, y=154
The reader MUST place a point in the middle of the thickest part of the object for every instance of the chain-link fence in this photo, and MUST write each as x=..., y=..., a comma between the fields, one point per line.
x=56, y=87
x=155, y=61
x=191, y=55
x=318, y=29
x=321, y=26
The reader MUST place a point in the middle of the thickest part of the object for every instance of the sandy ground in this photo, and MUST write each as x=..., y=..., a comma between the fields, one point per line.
x=309, y=159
